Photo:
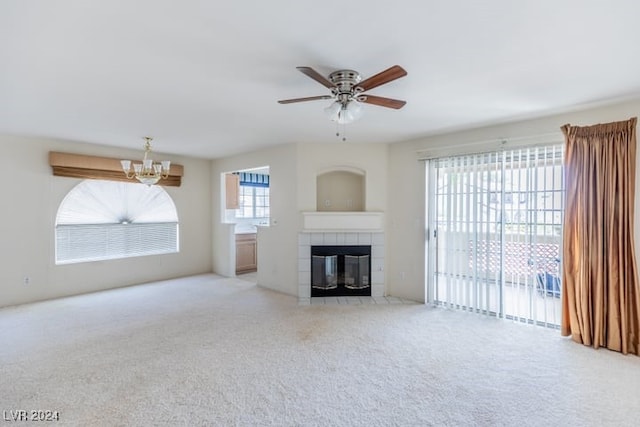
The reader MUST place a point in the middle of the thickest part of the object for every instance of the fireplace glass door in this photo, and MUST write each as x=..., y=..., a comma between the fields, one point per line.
x=356, y=271
x=325, y=271
x=340, y=271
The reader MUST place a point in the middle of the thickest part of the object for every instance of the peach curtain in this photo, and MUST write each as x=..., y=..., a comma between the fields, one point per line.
x=601, y=296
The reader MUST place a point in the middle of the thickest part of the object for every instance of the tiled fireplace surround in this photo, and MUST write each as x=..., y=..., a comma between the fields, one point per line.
x=308, y=239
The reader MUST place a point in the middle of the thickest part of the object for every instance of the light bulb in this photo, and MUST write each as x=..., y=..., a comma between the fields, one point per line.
x=333, y=110
x=345, y=116
x=355, y=109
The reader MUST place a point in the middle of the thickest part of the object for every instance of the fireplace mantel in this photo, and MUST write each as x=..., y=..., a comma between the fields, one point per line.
x=342, y=221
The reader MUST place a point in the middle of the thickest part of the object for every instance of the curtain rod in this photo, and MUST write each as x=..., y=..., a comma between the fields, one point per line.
x=494, y=144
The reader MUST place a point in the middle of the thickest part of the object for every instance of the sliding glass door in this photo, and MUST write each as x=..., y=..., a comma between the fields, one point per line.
x=495, y=233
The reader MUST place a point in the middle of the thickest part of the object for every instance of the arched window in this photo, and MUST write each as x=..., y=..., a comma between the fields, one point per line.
x=100, y=220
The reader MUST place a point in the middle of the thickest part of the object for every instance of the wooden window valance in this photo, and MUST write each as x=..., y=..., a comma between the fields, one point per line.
x=110, y=169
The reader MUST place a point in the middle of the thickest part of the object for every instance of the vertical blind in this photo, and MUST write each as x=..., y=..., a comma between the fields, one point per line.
x=497, y=228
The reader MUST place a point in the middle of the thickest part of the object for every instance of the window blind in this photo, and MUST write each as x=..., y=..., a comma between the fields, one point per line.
x=496, y=221
x=95, y=242
x=100, y=220
x=248, y=179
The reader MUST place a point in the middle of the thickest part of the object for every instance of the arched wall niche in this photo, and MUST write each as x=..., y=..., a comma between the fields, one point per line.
x=340, y=189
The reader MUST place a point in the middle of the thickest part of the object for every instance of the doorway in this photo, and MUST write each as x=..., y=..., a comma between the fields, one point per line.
x=495, y=233
x=247, y=206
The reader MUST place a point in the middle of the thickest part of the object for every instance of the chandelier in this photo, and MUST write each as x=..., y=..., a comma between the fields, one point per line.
x=147, y=172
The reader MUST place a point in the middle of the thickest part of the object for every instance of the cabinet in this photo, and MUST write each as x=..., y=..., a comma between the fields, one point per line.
x=232, y=191
x=246, y=253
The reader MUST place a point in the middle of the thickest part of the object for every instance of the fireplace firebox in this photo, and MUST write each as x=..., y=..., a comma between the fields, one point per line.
x=340, y=271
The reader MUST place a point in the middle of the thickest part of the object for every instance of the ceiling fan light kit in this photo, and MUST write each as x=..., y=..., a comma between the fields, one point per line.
x=347, y=92
x=344, y=112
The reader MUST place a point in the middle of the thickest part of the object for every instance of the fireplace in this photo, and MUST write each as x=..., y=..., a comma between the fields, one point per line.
x=340, y=271
x=308, y=239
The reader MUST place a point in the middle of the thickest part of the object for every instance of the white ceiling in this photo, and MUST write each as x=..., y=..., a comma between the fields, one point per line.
x=203, y=76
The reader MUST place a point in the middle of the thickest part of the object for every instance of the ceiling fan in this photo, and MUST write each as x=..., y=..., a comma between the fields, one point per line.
x=348, y=92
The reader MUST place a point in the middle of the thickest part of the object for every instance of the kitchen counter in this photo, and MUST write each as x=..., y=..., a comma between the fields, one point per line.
x=245, y=230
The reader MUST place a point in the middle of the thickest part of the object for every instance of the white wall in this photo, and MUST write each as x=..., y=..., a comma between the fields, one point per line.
x=406, y=214
x=30, y=198
x=277, y=244
x=293, y=169
x=314, y=159
x=394, y=185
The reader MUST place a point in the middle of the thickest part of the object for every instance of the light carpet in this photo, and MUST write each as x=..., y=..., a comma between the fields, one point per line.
x=208, y=350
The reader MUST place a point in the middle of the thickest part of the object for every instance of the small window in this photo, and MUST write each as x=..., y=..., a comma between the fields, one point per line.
x=101, y=220
x=254, y=196
x=254, y=202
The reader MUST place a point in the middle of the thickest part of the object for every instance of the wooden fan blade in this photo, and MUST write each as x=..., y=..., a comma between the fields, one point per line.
x=309, y=98
x=386, y=76
x=310, y=72
x=381, y=101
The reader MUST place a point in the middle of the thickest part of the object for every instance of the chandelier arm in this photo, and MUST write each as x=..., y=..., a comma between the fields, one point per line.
x=147, y=172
